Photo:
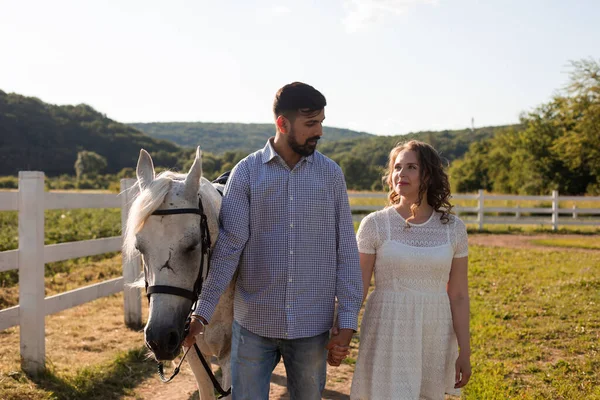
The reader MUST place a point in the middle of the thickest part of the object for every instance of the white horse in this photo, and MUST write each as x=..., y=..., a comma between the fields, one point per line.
x=170, y=246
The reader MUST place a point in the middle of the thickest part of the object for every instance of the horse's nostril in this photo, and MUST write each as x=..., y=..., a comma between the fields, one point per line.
x=173, y=341
x=152, y=345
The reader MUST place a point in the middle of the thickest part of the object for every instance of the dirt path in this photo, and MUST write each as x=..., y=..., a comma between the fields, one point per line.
x=183, y=387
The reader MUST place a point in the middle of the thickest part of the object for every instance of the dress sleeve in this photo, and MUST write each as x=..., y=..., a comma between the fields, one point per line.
x=461, y=246
x=367, y=236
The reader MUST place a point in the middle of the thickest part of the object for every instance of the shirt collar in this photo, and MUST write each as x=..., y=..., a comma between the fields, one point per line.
x=269, y=153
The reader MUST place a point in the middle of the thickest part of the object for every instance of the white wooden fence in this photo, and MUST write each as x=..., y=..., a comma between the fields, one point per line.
x=30, y=201
x=574, y=214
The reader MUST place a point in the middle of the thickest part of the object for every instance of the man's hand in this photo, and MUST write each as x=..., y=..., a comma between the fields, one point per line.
x=338, y=346
x=196, y=328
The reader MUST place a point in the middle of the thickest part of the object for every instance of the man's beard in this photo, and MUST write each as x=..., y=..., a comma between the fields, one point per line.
x=305, y=149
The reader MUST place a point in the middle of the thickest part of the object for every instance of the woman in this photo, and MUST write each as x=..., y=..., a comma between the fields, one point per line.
x=414, y=338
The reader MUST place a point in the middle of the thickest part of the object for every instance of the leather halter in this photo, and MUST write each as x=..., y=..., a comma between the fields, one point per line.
x=206, y=251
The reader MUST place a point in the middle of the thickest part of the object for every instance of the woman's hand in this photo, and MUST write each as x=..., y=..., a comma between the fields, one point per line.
x=463, y=370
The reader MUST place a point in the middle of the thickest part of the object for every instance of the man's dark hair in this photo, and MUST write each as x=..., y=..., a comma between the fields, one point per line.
x=298, y=97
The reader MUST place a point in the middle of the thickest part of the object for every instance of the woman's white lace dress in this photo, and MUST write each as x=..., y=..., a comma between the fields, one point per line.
x=407, y=343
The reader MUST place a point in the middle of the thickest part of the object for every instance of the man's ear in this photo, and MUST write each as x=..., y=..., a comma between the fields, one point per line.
x=282, y=124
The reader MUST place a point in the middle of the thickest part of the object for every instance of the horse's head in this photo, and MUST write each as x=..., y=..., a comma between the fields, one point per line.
x=170, y=245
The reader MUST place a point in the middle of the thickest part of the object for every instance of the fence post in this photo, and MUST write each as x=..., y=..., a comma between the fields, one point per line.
x=31, y=271
x=131, y=267
x=555, y=210
x=574, y=211
x=518, y=212
x=480, y=209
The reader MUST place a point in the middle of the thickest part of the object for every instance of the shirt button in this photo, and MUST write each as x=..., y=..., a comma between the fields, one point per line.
x=291, y=197
x=291, y=225
x=290, y=280
x=291, y=251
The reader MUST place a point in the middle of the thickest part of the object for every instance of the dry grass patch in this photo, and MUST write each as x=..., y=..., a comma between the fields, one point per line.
x=89, y=340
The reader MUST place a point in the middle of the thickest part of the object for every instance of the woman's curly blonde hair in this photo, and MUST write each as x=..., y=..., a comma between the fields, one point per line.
x=433, y=177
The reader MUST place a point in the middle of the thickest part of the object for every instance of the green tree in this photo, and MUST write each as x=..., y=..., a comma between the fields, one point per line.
x=558, y=149
x=89, y=163
x=579, y=116
x=471, y=173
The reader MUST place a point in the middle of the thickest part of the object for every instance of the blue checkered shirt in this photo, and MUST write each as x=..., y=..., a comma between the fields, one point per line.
x=290, y=236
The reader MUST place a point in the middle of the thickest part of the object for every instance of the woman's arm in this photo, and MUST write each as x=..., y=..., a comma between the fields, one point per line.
x=367, y=264
x=458, y=293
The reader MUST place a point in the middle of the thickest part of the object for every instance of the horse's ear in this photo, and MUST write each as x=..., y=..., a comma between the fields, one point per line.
x=145, y=169
x=192, y=180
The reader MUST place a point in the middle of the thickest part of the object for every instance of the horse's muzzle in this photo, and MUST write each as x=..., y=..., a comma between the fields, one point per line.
x=164, y=345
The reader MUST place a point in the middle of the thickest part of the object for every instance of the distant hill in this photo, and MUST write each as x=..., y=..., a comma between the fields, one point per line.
x=218, y=138
x=38, y=136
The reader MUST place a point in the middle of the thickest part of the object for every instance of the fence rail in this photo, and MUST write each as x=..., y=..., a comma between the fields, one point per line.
x=486, y=215
x=31, y=201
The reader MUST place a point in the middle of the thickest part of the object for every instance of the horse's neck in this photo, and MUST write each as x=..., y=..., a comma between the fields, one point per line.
x=211, y=202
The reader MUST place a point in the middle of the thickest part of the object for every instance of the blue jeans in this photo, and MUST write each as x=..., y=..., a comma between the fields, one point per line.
x=254, y=357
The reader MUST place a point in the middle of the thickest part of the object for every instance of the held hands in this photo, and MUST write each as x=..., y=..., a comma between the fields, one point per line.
x=463, y=370
x=338, y=346
x=196, y=328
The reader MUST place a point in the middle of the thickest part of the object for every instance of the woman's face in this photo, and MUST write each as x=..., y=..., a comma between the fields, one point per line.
x=406, y=176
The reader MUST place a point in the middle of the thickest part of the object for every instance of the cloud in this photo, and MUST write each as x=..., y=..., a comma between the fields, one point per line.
x=362, y=13
x=276, y=11
x=271, y=12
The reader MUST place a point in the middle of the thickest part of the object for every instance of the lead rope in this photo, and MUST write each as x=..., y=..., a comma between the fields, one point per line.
x=211, y=375
x=161, y=373
x=215, y=382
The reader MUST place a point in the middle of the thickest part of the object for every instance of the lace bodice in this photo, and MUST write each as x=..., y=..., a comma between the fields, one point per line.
x=415, y=258
x=387, y=224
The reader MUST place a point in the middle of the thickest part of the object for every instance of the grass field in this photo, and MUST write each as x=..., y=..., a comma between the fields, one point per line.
x=578, y=242
x=535, y=335
x=535, y=324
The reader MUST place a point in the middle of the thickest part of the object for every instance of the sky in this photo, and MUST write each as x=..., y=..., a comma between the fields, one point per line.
x=386, y=67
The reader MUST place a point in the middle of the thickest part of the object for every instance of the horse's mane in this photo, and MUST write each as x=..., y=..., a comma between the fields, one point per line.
x=145, y=203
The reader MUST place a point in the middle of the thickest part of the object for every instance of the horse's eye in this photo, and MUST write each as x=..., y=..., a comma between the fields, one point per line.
x=191, y=248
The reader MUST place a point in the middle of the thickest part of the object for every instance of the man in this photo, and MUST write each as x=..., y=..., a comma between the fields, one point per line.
x=286, y=227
